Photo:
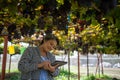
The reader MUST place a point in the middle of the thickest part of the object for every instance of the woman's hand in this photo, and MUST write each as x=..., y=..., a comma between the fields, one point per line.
x=44, y=65
x=52, y=68
x=47, y=66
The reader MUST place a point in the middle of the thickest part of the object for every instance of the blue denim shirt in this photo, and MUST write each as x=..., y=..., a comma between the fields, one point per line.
x=44, y=73
x=28, y=65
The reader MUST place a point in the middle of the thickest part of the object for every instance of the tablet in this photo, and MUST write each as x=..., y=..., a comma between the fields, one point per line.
x=61, y=63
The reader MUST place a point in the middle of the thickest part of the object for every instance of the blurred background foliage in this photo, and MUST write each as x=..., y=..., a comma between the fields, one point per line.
x=95, y=22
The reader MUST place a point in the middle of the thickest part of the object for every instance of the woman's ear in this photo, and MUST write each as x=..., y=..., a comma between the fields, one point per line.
x=44, y=41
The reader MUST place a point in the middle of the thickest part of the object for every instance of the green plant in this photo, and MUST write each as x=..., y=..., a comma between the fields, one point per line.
x=64, y=74
x=91, y=77
x=13, y=76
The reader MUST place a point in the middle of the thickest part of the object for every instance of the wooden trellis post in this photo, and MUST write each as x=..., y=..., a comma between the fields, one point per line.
x=4, y=57
x=68, y=64
x=78, y=65
x=5, y=35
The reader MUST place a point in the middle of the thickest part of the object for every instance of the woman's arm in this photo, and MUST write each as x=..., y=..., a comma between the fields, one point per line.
x=25, y=64
x=56, y=71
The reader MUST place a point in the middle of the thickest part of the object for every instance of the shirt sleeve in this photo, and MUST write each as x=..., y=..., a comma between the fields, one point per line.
x=57, y=71
x=25, y=64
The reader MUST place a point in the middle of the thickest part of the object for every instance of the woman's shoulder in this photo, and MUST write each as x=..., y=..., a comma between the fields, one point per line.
x=50, y=55
x=32, y=51
x=31, y=47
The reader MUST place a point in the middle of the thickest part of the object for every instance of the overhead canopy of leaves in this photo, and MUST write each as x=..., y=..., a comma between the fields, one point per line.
x=48, y=14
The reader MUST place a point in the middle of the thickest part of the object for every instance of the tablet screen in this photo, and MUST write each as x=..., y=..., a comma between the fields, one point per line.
x=61, y=63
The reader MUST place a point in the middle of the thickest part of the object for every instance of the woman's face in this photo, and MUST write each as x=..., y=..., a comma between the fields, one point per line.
x=49, y=45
